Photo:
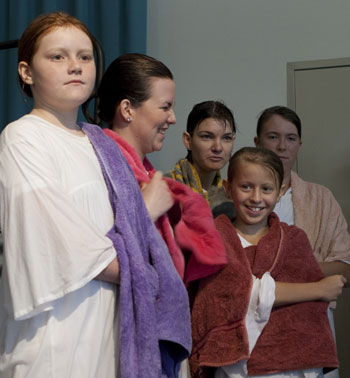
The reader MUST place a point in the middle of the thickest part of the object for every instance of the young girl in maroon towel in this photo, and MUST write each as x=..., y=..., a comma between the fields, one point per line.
x=265, y=313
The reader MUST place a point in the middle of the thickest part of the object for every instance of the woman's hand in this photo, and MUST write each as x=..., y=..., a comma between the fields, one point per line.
x=157, y=196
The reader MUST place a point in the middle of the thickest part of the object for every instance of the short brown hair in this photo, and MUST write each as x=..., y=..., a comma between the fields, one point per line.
x=209, y=109
x=36, y=30
x=282, y=111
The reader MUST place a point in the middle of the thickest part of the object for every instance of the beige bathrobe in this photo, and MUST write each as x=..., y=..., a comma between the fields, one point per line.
x=318, y=213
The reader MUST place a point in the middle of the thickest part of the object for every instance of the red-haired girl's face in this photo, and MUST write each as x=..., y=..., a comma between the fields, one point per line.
x=62, y=72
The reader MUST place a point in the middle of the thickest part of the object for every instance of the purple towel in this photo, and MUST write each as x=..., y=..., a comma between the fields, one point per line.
x=155, y=333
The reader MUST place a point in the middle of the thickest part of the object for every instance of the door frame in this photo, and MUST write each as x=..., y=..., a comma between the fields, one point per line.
x=292, y=67
x=343, y=303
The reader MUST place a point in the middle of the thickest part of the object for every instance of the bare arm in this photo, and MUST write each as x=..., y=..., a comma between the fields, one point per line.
x=336, y=267
x=327, y=289
x=110, y=273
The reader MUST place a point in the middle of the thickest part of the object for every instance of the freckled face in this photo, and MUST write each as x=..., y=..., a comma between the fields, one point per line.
x=211, y=144
x=254, y=192
x=151, y=120
x=62, y=71
x=281, y=137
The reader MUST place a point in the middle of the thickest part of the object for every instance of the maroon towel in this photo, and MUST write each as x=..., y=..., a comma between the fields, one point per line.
x=297, y=337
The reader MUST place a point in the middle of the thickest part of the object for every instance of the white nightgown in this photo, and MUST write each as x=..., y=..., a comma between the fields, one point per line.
x=56, y=320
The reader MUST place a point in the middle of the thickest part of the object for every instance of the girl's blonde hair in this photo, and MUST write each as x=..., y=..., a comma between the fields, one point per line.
x=257, y=155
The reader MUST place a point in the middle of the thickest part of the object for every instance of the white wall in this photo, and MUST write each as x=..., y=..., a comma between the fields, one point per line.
x=237, y=50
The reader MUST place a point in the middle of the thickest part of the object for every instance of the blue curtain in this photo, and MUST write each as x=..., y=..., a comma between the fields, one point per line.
x=119, y=26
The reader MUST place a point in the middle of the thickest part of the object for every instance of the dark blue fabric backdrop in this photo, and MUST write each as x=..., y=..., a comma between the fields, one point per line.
x=119, y=25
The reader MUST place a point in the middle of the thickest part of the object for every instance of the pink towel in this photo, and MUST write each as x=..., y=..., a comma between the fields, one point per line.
x=193, y=234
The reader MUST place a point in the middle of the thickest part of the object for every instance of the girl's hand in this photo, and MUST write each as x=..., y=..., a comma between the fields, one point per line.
x=331, y=287
x=157, y=197
x=328, y=289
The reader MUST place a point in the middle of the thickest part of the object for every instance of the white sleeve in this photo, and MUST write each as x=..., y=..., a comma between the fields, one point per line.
x=50, y=247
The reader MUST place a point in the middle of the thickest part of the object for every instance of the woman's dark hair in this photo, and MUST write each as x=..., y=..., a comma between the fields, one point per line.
x=36, y=30
x=209, y=109
x=284, y=112
x=128, y=77
x=257, y=155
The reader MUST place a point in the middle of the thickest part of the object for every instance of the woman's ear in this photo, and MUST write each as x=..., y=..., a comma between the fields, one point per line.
x=282, y=191
x=226, y=186
x=256, y=141
x=186, y=139
x=125, y=110
x=25, y=73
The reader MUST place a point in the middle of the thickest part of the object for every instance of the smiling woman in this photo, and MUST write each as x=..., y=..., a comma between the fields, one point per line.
x=136, y=98
x=150, y=120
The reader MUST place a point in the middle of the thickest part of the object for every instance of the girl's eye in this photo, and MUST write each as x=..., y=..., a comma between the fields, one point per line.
x=267, y=189
x=206, y=136
x=245, y=186
x=292, y=139
x=228, y=138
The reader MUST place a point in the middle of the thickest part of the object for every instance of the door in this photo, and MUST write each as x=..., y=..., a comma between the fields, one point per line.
x=319, y=91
